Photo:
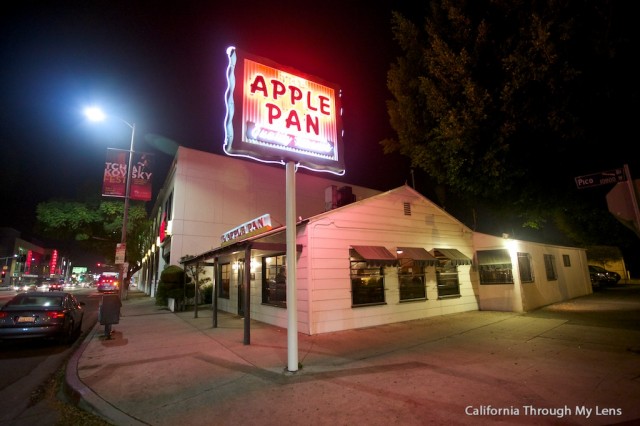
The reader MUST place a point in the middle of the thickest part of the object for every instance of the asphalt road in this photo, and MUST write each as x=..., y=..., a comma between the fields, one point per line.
x=27, y=367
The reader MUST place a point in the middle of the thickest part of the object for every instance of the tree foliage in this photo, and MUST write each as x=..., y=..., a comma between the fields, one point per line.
x=496, y=99
x=95, y=225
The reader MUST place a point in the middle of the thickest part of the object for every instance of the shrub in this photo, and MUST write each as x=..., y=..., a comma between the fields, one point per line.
x=171, y=285
x=207, y=292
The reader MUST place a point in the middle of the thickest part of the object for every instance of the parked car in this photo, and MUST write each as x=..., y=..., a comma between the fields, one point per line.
x=42, y=315
x=601, y=277
x=108, y=284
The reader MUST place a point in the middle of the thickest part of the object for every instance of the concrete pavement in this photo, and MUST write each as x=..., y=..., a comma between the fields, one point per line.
x=573, y=363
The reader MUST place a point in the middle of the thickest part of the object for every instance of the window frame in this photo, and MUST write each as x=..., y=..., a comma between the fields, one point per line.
x=448, y=286
x=224, y=270
x=365, y=291
x=412, y=281
x=550, y=267
x=525, y=269
x=274, y=293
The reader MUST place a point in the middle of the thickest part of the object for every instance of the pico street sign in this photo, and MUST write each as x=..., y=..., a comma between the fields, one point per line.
x=602, y=178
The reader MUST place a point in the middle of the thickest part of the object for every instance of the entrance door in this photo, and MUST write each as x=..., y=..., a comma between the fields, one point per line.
x=241, y=287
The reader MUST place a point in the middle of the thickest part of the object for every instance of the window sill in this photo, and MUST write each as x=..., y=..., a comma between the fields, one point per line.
x=418, y=299
x=368, y=304
x=453, y=296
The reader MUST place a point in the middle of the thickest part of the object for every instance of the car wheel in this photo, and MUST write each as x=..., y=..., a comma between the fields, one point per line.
x=67, y=336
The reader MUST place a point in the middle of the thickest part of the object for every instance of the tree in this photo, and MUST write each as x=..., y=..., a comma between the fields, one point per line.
x=197, y=274
x=95, y=225
x=495, y=99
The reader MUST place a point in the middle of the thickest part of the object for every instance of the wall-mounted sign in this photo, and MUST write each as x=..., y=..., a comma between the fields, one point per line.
x=276, y=114
x=247, y=229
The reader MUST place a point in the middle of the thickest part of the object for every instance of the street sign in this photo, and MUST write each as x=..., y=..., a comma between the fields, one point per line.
x=121, y=249
x=602, y=178
x=620, y=204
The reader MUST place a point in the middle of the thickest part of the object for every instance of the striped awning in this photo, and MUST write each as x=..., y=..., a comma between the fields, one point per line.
x=417, y=254
x=493, y=257
x=452, y=255
x=375, y=255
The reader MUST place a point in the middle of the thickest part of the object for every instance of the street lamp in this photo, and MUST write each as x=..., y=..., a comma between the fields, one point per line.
x=96, y=114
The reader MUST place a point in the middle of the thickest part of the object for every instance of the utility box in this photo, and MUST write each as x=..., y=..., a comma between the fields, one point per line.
x=109, y=311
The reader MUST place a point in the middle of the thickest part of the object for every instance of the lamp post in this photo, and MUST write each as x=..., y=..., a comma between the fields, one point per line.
x=96, y=114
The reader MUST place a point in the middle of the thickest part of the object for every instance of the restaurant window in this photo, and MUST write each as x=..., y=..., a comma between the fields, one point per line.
x=566, y=259
x=168, y=207
x=411, y=279
x=525, y=267
x=550, y=267
x=494, y=267
x=225, y=278
x=447, y=280
x=367, y=283
x=274, y=280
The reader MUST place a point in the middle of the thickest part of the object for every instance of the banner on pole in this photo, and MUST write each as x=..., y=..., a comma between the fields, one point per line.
x=114, y=183
x=141, y=176
x=115, y=173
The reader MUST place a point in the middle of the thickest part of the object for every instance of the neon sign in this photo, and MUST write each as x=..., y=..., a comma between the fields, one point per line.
x=247, y=229
x=53, y=262
x=285, y=116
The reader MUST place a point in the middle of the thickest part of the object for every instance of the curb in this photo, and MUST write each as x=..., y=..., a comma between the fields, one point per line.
x=78, y=394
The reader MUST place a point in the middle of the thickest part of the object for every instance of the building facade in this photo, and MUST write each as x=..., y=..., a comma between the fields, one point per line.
x=363, y=257
x=25, y=262
x=520, y=276
x=206, y=194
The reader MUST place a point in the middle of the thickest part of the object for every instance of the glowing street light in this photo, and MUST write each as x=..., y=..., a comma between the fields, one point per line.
x=96, y=114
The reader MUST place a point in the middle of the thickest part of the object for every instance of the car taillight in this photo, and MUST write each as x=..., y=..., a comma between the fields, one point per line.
x=3, y=315
x=55, y=314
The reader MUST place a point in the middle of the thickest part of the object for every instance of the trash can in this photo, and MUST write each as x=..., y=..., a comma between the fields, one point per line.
x=109, y=312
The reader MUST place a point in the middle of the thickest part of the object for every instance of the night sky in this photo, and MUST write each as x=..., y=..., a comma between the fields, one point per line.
x=162, y=67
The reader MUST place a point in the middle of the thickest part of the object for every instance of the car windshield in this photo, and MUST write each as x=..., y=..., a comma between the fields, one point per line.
x=35, y=301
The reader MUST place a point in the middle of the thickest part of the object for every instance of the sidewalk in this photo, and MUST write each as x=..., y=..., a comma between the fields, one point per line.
x=164, y=368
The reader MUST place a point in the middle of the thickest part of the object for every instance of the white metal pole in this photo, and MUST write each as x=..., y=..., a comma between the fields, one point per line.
x=292, y=309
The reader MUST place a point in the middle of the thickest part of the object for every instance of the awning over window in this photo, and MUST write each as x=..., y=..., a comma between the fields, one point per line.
x=453, y=255
x=417, y=254
x=375, y=255
x=493, y=257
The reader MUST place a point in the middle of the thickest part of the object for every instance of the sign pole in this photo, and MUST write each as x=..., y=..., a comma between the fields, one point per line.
x=634, y=199
x=292, y=310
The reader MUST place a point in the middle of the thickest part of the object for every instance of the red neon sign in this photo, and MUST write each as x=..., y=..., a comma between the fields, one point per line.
x=286, y=115
x=53, y=262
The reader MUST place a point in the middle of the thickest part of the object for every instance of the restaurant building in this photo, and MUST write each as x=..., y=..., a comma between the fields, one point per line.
x=206, y=194
x=363, y=257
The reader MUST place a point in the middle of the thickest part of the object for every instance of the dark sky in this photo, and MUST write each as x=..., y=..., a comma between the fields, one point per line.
x=161, y=65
